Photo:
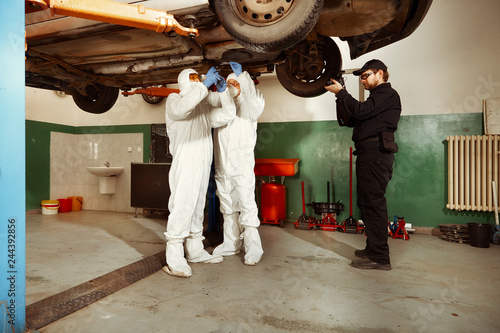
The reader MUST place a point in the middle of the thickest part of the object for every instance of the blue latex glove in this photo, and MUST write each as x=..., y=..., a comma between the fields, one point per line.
x=237, y=68
x=210, y=80
x=212, y=71
x=211, y=77
x=221, y=84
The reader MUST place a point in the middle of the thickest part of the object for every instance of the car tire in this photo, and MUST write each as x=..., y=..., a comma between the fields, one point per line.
x=152, y=99
x=256, y=28
x=105, y=98
x=310, y=84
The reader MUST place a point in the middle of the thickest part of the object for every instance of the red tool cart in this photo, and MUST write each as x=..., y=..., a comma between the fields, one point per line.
x=273, y=194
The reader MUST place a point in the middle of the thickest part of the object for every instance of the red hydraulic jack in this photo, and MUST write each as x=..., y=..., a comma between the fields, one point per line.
x=305, y=222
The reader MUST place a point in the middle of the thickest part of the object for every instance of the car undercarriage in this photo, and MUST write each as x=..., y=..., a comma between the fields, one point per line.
x=93, y=61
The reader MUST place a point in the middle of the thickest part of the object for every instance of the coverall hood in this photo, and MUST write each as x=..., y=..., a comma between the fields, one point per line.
x=232, y=76
x=183, y=79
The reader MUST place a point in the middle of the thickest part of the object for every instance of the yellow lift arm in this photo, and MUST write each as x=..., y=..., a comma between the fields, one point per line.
x=113, y=12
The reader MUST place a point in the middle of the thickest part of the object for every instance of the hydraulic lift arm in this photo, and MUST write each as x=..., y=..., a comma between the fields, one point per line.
x=113, y=12
x=153, y=91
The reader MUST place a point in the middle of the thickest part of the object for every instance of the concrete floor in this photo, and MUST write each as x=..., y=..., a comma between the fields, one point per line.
x=303, y=284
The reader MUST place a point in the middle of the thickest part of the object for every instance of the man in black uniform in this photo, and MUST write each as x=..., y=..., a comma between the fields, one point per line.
x=374, y=122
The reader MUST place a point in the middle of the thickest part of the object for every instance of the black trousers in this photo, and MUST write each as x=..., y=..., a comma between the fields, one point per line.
x=373, y=173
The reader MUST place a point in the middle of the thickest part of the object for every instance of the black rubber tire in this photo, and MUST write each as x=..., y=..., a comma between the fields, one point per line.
x=152, y=99
x=294, y=26
x=314, y=86
x=105, y=98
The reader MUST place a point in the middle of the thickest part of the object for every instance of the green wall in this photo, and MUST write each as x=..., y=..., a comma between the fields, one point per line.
x=38, y=160
x=38, y=153
x=418, y=189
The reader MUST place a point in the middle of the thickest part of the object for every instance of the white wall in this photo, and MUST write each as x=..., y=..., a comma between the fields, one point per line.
x=47, y=106
x=448, y=65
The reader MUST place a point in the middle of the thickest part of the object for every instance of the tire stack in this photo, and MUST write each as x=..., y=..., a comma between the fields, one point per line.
x=458, y=233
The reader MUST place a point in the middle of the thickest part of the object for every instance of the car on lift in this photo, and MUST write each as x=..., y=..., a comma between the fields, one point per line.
x=93, y=60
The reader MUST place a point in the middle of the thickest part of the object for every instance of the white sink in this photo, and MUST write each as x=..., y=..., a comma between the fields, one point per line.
x=105, y=171
x=107, y=178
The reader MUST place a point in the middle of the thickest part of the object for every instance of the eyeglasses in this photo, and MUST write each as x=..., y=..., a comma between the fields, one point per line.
x=365, y=76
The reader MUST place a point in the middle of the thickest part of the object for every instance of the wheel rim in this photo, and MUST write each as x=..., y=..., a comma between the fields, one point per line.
x=262, y=12
x=152, y=99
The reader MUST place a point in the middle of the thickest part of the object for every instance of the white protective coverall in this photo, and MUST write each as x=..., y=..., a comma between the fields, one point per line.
x=234, y=173
x=189, y=119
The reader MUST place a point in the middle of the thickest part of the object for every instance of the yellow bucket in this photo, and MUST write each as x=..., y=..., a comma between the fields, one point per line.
x=50, y=207
x=77, y=203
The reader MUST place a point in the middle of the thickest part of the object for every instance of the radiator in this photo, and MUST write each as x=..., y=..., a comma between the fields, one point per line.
x=473, y=164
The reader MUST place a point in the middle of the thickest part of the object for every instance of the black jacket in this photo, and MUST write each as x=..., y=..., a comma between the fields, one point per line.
x=379, y=113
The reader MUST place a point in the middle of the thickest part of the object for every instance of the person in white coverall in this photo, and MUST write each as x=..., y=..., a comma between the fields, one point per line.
x=189, y=119
x=234, y=146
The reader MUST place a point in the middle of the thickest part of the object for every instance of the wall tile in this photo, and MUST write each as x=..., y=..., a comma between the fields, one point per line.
x=70, y=154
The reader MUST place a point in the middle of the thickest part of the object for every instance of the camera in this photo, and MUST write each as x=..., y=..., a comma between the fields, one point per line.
x=338, y=77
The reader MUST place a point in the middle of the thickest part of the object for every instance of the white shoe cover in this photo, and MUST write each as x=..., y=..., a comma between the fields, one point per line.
x=253, y=246
x=232, y=242
x=184, y=274
x=176, y=263
x=197, y=253
x=225, y=250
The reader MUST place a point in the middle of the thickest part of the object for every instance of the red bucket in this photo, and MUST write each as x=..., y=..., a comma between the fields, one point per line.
x=65, y=205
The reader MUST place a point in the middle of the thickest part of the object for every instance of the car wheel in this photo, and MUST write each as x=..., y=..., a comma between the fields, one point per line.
x=103, y=98
x=268, y=26
x=304, y=73
x=152, y=99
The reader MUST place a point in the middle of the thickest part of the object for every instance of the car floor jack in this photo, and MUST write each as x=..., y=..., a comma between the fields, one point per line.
x=351, y=224
x=304, y=222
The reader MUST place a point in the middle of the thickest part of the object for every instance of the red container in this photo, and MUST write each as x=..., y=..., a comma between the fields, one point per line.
x=273, y=202
x=65, y=205
x=276, y=166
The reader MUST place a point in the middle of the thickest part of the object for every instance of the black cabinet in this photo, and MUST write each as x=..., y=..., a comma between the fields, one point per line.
x=149, y=186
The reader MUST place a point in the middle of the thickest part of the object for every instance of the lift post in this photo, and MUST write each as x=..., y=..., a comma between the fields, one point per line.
x=113, y=12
